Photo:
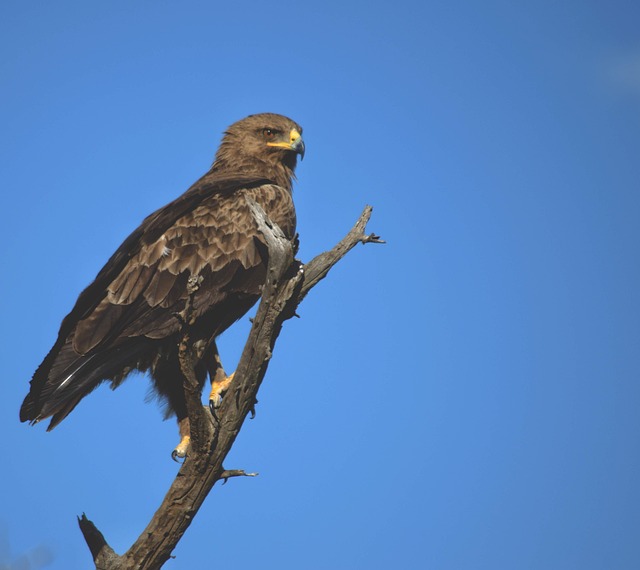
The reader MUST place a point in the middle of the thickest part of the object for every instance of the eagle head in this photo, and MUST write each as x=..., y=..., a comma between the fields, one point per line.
x=265, y=143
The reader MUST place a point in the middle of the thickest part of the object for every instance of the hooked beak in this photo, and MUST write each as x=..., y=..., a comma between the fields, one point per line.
x=296, y=144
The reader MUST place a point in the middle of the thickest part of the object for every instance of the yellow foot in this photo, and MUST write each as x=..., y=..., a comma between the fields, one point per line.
x=180, y=451
x=218, y=388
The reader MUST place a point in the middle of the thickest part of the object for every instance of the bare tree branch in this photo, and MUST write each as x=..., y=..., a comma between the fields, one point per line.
x=104, y=556
x=287, y=283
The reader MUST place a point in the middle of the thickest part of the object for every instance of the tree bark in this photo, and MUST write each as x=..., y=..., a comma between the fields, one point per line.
x=212, y=435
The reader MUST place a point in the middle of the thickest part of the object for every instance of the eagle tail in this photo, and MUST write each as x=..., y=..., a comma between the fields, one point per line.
x=63, y=379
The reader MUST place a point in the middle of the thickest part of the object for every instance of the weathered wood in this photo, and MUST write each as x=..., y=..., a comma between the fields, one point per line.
x=104, y=556
x=287, y=283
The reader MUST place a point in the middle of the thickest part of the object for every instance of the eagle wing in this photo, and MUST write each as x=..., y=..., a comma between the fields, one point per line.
x=137, y=296
x=151, y=228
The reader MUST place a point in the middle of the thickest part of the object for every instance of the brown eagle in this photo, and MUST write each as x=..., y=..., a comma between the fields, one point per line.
x=129, y=318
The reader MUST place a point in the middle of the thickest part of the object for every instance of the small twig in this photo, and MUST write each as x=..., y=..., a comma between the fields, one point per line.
x=318, y=268
x=228, y=473
x=371, y=238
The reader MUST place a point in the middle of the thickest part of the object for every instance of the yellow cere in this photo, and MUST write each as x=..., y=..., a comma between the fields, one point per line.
x=294, y=135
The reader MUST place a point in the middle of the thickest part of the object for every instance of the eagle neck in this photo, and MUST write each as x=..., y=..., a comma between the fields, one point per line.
x=281, y=174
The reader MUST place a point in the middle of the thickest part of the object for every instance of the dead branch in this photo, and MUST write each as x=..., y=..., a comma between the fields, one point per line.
x=287, y=283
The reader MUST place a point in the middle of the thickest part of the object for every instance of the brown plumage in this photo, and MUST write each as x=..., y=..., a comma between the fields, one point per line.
x=127, y=319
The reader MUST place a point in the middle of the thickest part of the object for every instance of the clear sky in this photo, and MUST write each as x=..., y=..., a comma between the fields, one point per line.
x=464, y=397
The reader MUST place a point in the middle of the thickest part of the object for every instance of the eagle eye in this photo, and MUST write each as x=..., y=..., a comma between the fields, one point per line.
x=269, y=134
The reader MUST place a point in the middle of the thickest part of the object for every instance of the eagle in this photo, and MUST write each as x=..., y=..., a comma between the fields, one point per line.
x=130, y=318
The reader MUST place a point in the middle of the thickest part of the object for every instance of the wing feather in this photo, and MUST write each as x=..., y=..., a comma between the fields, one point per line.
x=139, y=292
x=92, y=330
x=129, y=284
x=162, y=284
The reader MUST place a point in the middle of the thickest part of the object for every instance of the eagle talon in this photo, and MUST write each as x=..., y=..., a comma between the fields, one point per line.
x=180, y=452
x=218, y=390
x=214, y=405
x=215, y=401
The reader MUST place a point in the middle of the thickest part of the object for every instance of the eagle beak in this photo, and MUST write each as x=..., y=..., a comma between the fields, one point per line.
x=296, y=144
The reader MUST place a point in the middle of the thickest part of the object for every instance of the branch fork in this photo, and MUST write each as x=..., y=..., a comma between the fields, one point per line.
x=288, y=283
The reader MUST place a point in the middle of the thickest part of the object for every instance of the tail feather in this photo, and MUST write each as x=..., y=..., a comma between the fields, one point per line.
x=57, y=388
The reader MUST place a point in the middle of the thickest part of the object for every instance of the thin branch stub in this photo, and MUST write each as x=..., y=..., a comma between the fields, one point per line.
x=228, y=473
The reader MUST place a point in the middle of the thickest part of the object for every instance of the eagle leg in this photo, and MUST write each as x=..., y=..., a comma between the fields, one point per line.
x=219, y=380
x=185, y=438
x=218, y=387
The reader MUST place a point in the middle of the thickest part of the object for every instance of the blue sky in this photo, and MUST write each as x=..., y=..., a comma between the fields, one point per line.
x=464, y=397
